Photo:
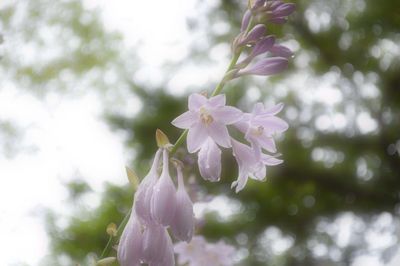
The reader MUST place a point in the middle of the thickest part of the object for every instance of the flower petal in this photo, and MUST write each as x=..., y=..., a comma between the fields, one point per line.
x=270, y=160
x=217, y=101
x=267, y=143
x=274, y=109
x=265, y=67
x=271, y=124
x=196, y=137
x=227, y=114
x=209, y=160
x=185, y=120
x=196, y=100
x=219, y=133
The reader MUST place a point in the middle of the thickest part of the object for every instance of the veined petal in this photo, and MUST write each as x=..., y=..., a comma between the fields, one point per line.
x=267, y=143
x=196, y=100
x=209, y=161
x=280, y=50
x=270, y=160
x=274, y=109
x=182, y=225
x=242, y=125
x=263, y=46
x=245, y=20
x=196, y=137
x=217, y=101
x=164, y=196
x=272, y=124
x=185, y=120
x=241, y=181
x=130, y=245
x=267, y=66
x=219, y=133
x=227, y=114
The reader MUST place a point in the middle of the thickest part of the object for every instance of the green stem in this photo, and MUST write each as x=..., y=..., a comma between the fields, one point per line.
x=106, y=250
x=217, y=90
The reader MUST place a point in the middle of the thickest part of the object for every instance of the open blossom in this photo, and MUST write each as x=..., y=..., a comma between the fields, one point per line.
x=260, y=125
x=207, y=118
x=250, y=165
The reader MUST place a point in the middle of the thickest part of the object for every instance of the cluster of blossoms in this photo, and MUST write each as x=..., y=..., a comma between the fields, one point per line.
x=207, y=118
x=157, y=206
x=199, y=253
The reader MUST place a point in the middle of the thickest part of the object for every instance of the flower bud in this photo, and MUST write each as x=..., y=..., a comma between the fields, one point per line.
x=129, y=251
x=155, y=241
x=245, y=21
x=281, y=51
x=263, y=46
x=265, y=67
x=164, y=196
x=254, y=35
x=144, y=192
x=182, y=226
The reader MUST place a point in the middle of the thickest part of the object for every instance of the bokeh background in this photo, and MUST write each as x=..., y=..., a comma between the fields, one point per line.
x=84, y=84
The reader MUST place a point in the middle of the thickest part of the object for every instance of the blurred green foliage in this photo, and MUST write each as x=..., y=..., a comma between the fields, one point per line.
x=331, y=167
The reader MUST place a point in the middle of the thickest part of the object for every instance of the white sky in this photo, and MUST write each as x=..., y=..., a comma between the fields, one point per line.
x=70, y=137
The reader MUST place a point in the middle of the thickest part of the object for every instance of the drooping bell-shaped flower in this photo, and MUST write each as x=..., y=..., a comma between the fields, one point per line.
x=209, y=161
x=260, y=125
x=155, y=243
x=130, y=245
x=250, y=165
x=163, y=202
x=144, y=192
x=182, y=225
x=168, y=256
x=207, y=118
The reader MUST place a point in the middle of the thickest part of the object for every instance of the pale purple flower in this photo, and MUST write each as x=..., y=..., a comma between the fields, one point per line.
x=250, y=165
x=209, y=160
x=199, y=253
x=260, y=125
x=163, y=202
x=262, y=46
x=207, y=118
x=130, y=245
x=280, y=50
x=156, y=244
x=182, y=225
x=274, y=11
x=245, y=20
x=144, y=192
x=253, y=36
x=167, y=258
x=265, y=67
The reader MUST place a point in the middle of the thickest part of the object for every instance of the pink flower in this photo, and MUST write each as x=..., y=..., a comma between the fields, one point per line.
x=250, y=165
x=260, y=125
x=207, y=118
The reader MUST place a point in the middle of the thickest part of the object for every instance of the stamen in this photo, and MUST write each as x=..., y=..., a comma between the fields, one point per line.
x=205, y=116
